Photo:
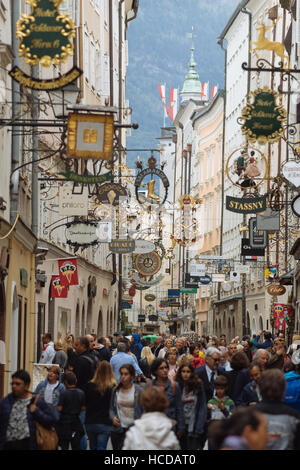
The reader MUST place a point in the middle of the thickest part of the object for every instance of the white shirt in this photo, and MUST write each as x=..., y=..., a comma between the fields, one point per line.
x=125, y=403
x=48, y=395
x=48, y=354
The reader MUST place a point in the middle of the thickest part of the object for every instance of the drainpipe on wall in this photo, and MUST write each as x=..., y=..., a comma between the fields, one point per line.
x=15, y=148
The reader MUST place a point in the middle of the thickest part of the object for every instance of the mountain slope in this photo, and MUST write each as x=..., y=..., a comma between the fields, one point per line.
x=159, y=52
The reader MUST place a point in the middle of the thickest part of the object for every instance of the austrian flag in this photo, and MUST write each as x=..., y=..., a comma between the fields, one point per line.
x=68, y=272
x=162, y=92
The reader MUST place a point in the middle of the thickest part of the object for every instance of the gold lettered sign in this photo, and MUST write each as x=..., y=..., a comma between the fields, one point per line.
x=122, y=246
x=47, y=85
x=46, y=36
x=253, y=205
x=263, y=117
x=276, y=289
x=90, y=136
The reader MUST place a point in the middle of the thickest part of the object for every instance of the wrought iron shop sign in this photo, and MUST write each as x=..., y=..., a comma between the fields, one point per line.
x=251, y=205
x=110, y=193
x=263, y=117
x=46, y=85
x=151, y=198
x=81, y=234
x=45, y=35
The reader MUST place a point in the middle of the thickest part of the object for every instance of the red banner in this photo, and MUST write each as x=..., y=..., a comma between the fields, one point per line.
x=281, y=312
x=58, y=291
x=68, y=272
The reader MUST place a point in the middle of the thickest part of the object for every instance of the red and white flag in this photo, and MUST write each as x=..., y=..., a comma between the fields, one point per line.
x=204, y=91
x=173, y=103
x=214, y=91
x=162, y=92
x=58, y=291
x=68, y=272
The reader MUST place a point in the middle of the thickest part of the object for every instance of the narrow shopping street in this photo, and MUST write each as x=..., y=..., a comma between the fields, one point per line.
x=149, y=228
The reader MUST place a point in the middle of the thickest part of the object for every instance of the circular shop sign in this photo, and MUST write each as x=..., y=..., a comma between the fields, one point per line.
x=148, y=264
x=205, y=279
x=296, y=206
x=143, y=246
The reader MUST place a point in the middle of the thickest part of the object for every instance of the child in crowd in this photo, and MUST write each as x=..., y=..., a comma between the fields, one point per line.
x=220, y=406
x=71, y=403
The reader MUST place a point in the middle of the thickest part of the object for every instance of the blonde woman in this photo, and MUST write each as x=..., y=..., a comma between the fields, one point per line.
x=185, y=359
x=171, y=356
x=98, y=393
x=147, y=357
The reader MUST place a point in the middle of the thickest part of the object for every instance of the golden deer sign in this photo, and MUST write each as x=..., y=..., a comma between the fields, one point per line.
x=264, y=44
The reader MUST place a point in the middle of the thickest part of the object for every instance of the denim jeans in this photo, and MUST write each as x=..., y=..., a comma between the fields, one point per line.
x=98, y=435
x=83, y=441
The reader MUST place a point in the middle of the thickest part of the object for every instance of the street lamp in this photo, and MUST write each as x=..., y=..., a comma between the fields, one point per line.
x=62, y=98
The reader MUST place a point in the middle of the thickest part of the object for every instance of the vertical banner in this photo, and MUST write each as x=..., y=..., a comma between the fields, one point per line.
x=162, y=92
x=68, y=272
x=58, y=291
x=281, y=313
x=173, y=103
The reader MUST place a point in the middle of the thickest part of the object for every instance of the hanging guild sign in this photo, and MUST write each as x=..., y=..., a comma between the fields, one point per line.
x=73, y=204
x=148, y=264
x=81, y=234
x=150, y=297
x=290, y=171
x=276, y=289
x=58, y=290
x=146, y=284
x=110, y=193
x=90, y=136
x=258, y=238
x=143, y=246
x=253, y=205
x=46, y=38
x=296, y=206
x=149, y=196
x=122, y=246
x=269, y=221
x=68, y=272
x=263, y=117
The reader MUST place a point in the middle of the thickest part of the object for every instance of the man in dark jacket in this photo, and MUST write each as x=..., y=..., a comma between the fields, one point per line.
x=208, y=372
x=103, y=352
x=283, y=421
x=84, y=367
x=277, y=352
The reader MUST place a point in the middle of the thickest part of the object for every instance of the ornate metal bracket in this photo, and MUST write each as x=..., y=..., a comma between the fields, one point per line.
x=263, y=65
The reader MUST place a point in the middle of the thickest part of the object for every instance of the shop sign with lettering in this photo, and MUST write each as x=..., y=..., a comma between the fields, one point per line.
x=46, y=38
x=258, y=238
x=263, y=117
x=251, y=205
x=81, y=234
x=122, y=246
x=73, y=204
x=290, y=170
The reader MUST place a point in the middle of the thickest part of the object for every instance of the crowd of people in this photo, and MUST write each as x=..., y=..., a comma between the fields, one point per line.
x=175, y=393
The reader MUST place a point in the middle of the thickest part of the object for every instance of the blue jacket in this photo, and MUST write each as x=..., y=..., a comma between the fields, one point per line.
x=40, y=389
x=262, y=345
x=136, y=347
x=42, y=415
x=119, y=360
x=292, y=393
